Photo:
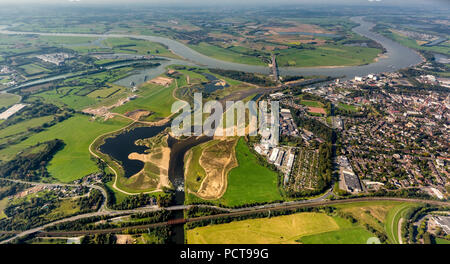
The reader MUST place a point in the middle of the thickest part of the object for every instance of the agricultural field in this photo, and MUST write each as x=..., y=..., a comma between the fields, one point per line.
x=157, y=99
x=250, y=182
x=106, y=92
x=33, y=69
x=67, y=96
x=289, y=229
x=328, y=55
x=65, y=207
x=87, y=91
x=65, y=40
x=56, y=25
x=442, y=241
x=138, y=46
x=306, y=227
x=7, y=100
x=73, y=161
x=10, y=133
x=3, y=204
x=195, y=80
x=412, y=43
x=228, y=54
x=382, y=216
x=9, y=44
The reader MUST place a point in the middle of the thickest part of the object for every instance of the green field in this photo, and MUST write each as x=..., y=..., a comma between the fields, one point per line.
x=73, y=161
x=329, y=55
x=347, y=234
x=311, y=103
x=21, y=127
x=32, y=69
x=138, y=46
x=442, y=241
x=3, y=204
x=383, y=216
x=66, y=96
x=8, y=44
x=309, y=228
x=300, y=227
x=231, y=55
x=151, y=97
x=64, y=40
x=392, y=220
x=7, y=100
x=411, y=43
x=106, y=92
x=250, y=182
x=81, y=92
x=195, y=172
x=347, y=107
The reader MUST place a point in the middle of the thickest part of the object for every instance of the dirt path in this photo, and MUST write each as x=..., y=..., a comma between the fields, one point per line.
x=157, y=123
x=400, y=240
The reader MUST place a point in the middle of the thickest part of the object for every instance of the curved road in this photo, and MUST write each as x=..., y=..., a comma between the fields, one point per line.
x=102, y=206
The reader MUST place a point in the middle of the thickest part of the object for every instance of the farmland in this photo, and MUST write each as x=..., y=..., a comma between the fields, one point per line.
x=288, y=229
x=73, y=161
x=90, y=90
x=227, y=54
x=152, y=97
x=3, y=204
x=306, y=227
x=7, y=100
x=412, y=43
x=382, y=216
x=138, y=46
x=9, y=133
x=33, y=69
x=329, y=55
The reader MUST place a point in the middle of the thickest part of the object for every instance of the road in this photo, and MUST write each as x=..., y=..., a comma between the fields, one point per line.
x=156, y=123
x=230, y=212
x=102, y=206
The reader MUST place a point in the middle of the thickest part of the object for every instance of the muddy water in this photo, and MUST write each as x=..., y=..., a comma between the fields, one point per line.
x=176, y=176
x=120, y=146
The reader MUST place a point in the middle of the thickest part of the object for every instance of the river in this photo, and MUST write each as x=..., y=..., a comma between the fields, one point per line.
x=396, y=57
x=120, y=146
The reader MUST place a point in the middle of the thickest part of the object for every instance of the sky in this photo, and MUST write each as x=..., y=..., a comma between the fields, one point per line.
x=396, y=2
x=421, y=4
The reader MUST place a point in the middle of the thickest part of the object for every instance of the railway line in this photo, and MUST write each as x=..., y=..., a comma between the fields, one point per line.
x=40, y=232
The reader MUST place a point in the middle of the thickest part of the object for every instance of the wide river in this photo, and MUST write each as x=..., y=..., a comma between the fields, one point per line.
x=396, y=57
